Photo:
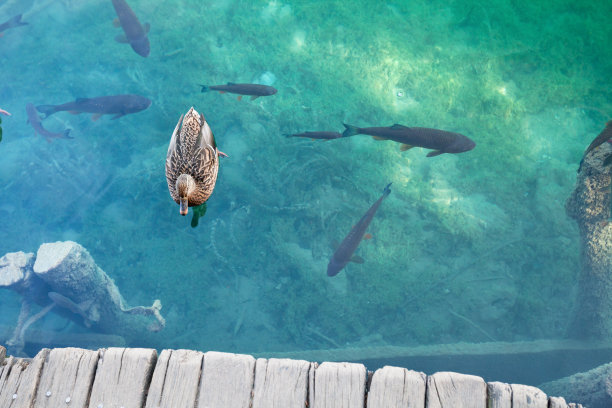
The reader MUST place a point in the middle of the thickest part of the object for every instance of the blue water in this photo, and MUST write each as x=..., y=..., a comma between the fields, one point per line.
x=470, y=247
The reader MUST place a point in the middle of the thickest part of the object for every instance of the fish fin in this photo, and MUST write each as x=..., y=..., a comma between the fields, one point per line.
x=116, y=22
x=367, y=235
x=96, y=116
x=398, y=126
x=147, y=27
x=74, y=112
x=239, y=97
x=379, y=138
x=117, y=116
x=357, y=259
x=46, y=110
x=231, y=83
x=434, y=153
x=254, y=97
x=204, y=88
x=121, y=38
x=350, y=130
x=66, y=134
x=405, y=147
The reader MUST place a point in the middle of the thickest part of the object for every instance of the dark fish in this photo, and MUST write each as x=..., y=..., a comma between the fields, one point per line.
x=440, y=141
x=118, y=105
x=603, y=137
x=344, y=253
x=135, y=33
x=35, y=122
x=254, y=90
x=317, y=135
x=12, y=23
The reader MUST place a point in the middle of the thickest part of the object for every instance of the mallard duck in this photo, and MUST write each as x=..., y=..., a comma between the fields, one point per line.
x=192, y=162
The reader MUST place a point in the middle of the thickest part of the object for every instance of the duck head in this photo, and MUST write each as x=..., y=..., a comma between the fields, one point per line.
x=185, y=185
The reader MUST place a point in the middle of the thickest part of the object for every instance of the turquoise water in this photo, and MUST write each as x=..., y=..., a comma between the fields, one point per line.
x=470, y=247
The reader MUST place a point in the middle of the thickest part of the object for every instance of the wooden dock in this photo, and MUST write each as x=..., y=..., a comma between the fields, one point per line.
x=135, y=378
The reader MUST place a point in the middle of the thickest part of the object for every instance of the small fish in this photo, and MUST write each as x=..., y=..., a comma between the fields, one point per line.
x=35, y=122
x=317, y=135
x=344, y=253
x=65, y=303
x=12, y=23
x=135, y=33
x=2, y=111
x=0, y=129
x=440, y=141
x=254, y=90
x=603, y=137
x=118, y=105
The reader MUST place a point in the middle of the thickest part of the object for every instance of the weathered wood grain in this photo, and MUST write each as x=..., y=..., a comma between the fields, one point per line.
x=2, y=354
x=227, y=380
x=526, y=396
x=499, y=395
x=557, y=402
x=454, y=390
x=280, y=383
x=19, y=379
x=67, y=375
x=122, y=377
x=175, y=379
x=338, y=385
x=397, y=387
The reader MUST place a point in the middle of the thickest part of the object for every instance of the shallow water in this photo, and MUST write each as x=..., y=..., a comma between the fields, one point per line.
x=468, y=247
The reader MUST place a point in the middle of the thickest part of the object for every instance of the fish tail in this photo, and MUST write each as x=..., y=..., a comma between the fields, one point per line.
x=17, y=21
x=47, y=110
x=205, y=88
x=350, y=130
x=387, y=190
x=67, y=134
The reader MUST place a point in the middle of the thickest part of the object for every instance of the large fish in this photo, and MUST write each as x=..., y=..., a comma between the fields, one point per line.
x=135, y=33
x=118, y=105
x=317, y=135
x=12, y=23
x=440, y=141
x=34, y=121
x=254, y=90
x=344, y=253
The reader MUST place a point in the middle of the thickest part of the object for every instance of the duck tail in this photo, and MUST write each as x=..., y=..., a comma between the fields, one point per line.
x=350, y=130
x=205, y=88
x=46, y=110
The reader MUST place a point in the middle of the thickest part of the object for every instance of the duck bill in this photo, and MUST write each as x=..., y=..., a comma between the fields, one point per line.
x=184, y=206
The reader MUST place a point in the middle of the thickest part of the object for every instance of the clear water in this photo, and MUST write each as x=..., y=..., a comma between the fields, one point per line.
x=471, y=247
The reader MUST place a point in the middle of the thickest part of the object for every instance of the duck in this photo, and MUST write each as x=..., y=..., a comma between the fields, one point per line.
x=192, y=162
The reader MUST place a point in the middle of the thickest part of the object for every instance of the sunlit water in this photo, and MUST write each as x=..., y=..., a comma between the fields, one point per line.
x=469, y=247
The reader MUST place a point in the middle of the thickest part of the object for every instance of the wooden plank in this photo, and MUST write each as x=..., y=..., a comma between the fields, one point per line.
x=280, y=383
x=19, y=379
x=2, y=355
x=557, y=402
x=66, y=376
x=526, y=396
x=338, y=385
x=227, y=380
x=499, y=395
x=397, y=387
x=175, y=379
x=454, y=390
x=122, y=377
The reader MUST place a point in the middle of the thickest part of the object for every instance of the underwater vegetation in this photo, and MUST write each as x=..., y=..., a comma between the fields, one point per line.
x=469, y=247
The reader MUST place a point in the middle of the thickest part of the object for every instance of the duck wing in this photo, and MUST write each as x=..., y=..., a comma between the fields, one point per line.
x=173, y=161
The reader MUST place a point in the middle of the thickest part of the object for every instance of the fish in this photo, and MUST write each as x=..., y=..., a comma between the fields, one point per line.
x=35, y=122
x=2, y=111
x=12, y=23
x=64, y=302
x=603, y=137
x=317, y=135
x=254, y=90
x=118, y=105
x=346, y=249
x=135, y=33
x=441, y=141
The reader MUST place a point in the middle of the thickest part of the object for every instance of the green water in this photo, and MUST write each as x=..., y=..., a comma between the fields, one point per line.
x=469, y=247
